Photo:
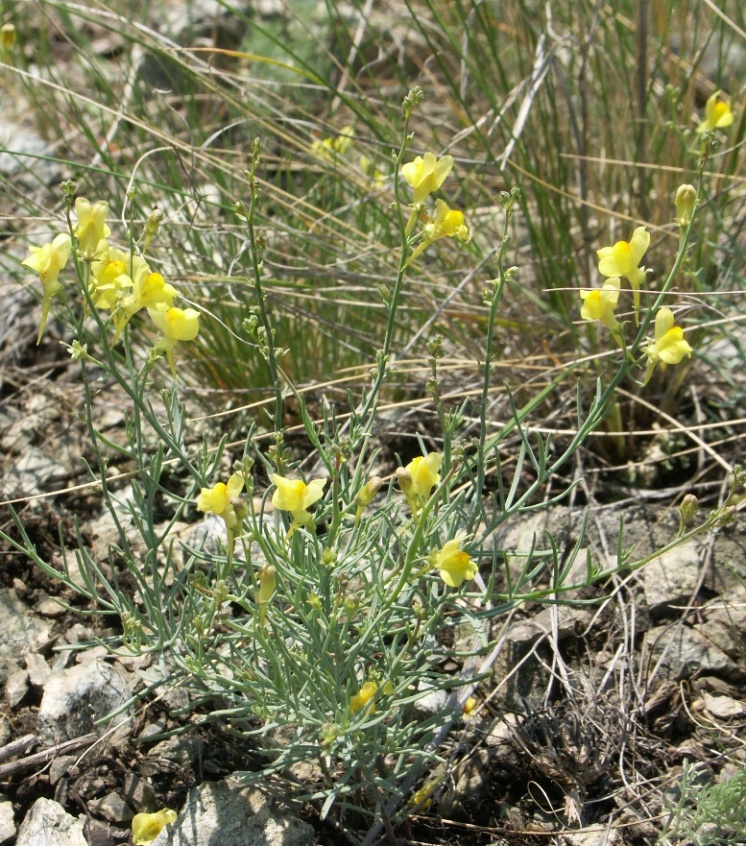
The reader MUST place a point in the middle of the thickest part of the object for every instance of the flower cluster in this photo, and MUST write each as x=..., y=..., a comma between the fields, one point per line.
x=118, y=281
x=426, y=174
x=623, y=260
x=336, y=147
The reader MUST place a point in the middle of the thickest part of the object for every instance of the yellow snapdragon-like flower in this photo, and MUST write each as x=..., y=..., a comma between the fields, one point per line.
x=359, y=700
x=146, y=827
x=91, y=228
x=718, y=114
x=623, y=259
x=219, y=499
x=454, y=564
x=426, y=174
x=600, y=304
x=670, y=346
x=445, y=223
x=418, y=479
x=328, y=148
x=109, y=283
x=176, y=324
x=48, y=260
x=297, y=497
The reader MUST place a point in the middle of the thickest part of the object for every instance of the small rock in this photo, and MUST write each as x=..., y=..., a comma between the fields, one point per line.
x=672, y=578
x=140, y=795
x=60, y=766
x=16, y=687
x=592, y=837
x=6, y=730
x=678, y=652
x=7, y=823
x=184, y=751
x=724, y=707
x=111, y=808
x=77, y=697
x=47, y=824
x=38, y=669
x=23, y=633
x=227, y=813
x=49, y=607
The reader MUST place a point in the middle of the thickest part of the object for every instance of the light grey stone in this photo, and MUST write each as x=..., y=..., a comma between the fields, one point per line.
x=724, y=707
x=7, y=822
x=672, y=578
x=6, y=729
x=38, y=669
x=592, y=837
x=677, y=652
x=47, y=824
x=16, y=687
x=216, y=814
x=21, y=634
x=78, y=696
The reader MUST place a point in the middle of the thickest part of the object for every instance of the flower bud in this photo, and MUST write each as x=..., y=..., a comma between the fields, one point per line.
x=688, y=509
x=267, y=584
x=369, y=491
x=7, y=36
x=686, y=196
x=404, y=478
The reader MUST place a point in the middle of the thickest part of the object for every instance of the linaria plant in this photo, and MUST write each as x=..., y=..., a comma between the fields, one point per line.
x=323, y=613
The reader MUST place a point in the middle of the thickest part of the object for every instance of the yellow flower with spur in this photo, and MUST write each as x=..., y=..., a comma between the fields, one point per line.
x=297, y=497
x=418, y=479
x=623, y=259
x=669, y=346
x=454, y=565
x=426, y=174
x=600, y=304
x=48, y=260
x=176, y=324
x=718, y=114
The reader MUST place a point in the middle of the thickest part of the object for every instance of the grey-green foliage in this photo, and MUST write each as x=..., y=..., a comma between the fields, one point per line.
x=709, y=815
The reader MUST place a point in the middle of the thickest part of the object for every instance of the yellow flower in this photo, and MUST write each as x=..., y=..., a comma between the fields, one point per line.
x=108, y=284
x=447, y=223
x=418, y=479
x=176, y=324
x=623, y=259
x=377, y=177
x=48, y=260
x=146, y=827
x=296, y=497
x=329, y=148
x=670, y=346
x=600, y=304
x=219, y=499
x=359, y=700
x=426, y=174
x=470, y=708
x=91, y=228
x=454, y=564
x=718, y=114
